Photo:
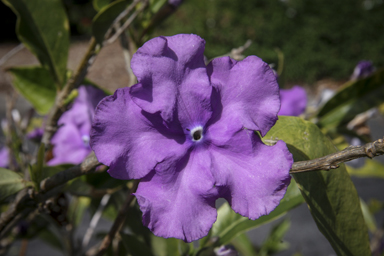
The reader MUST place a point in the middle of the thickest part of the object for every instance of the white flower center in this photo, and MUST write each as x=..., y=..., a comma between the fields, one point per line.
x=85, y=139
x=197, y=133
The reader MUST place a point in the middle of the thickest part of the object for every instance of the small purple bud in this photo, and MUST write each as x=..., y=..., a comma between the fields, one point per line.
x=226, y=250
x=36, y=134
x=363, y=69
x=175, y=3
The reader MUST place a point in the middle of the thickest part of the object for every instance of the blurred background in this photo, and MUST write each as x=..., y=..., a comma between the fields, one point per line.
x=320, y=39
x=317, y=42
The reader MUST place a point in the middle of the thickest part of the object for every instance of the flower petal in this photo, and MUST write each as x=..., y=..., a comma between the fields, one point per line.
x=180, y=203
x=248, y=89
x=252, y=177
x=132, y=142
x=293, y=101
x=173, y=79
x=68, y=146
x=4, y=157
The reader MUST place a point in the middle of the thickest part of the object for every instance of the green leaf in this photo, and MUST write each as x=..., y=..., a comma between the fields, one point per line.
x=165, y=246
x=330, y=195
x=77, y=208
x=10, y=183
x=353, y=98
x=134, y=246
x=100, y=4
x=104, y=19
x=243, y=245
x=36, y=85
x=274, y=243
x=36, y=170
x=42, y=25
x=230, y=224
x=368, y=216
x=371, y=169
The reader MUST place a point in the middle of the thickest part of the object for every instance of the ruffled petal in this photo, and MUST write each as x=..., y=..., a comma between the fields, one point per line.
x=293, y=101
x=248, y=90
x=132, y=142
x=69, y=147
x=180, y=203
x=251, y=176
x=173, y=79
x=83, y=108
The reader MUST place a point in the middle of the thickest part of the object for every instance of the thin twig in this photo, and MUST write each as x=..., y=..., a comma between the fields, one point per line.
x=118, y=221
x=29, y=200
x=126, y=24
x=74, y=82
x=121, y=16
x=12, y=52
x=87, y=166
x=95, y=219
x=332, y=161
x=25, y=201
x=126, y=45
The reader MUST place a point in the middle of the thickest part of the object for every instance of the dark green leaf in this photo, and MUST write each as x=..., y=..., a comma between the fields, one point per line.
x=230, y=224
x=10, y=183
x=36, y=85
x=100, y=4
x=134, y=246
x=36, y=170
x=330, y=195
x=42, y=25
x=104, y=19
x=353, y=98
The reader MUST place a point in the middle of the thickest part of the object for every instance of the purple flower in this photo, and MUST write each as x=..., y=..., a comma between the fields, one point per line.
x=4, y=157
x=293, y=101
x=363, y=69
x=71, y=141
x=187, y=131
x=36, y=134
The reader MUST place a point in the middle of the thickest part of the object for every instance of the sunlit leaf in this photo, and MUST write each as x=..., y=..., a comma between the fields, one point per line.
x=165, y=246
x=134, y=246
x=243, y=245
x=330, y=195
x=42, y=25
x=230, y=224
x=371, y=169
x=353, y=98
x=36, y=85
x=10, y=183
x=368, y=216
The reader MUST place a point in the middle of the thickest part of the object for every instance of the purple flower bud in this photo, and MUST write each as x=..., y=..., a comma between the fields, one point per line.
x=175, y=3
x=226, y=250
x=363, y=69
x=36, y=134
